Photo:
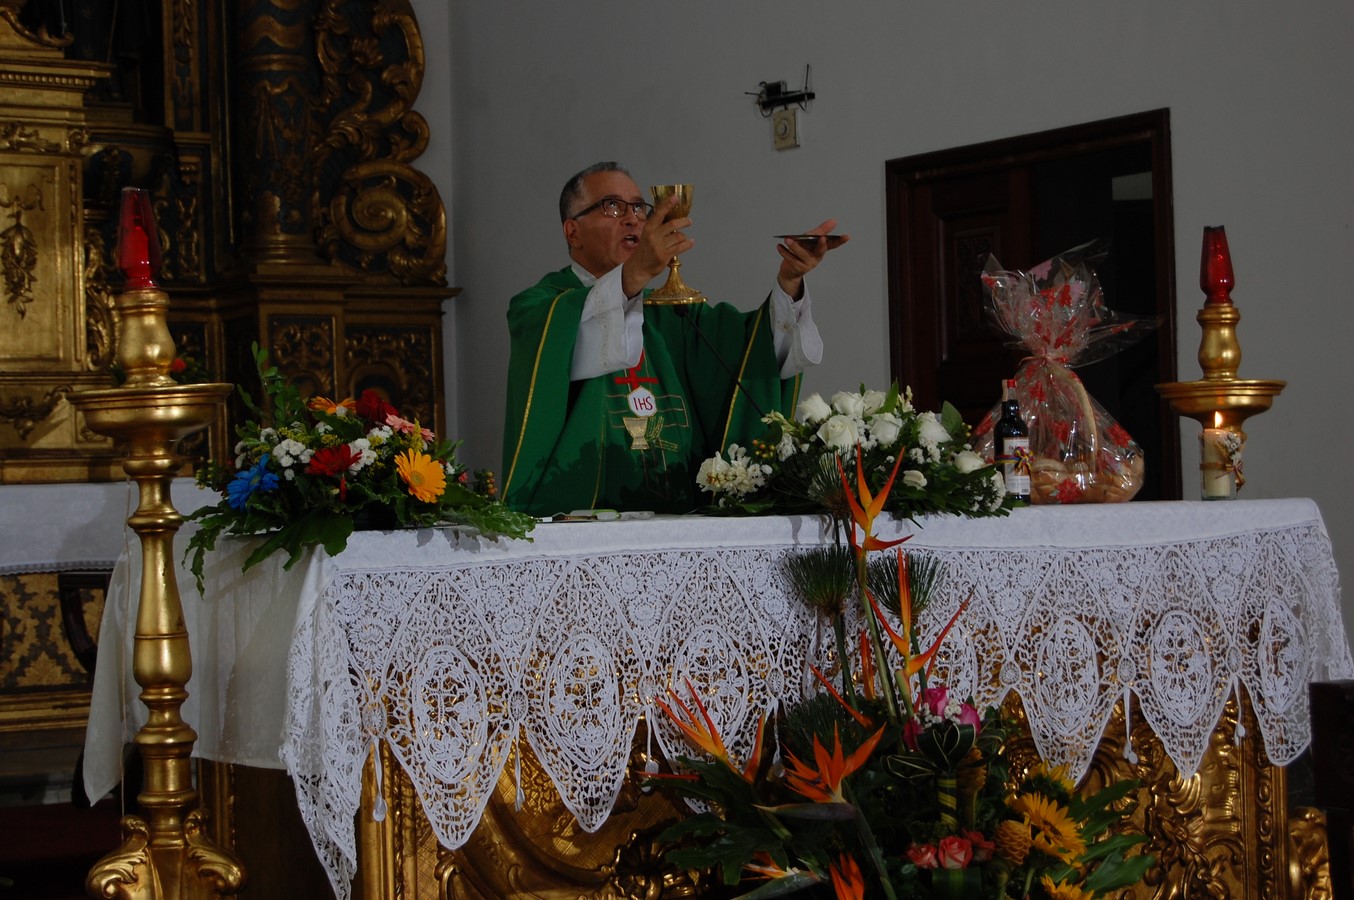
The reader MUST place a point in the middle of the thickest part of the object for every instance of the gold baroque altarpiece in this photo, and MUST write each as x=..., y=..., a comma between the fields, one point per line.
x=280, y=142
x=1225, y=832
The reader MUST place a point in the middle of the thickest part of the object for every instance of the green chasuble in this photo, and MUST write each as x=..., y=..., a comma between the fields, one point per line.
x=632, y=439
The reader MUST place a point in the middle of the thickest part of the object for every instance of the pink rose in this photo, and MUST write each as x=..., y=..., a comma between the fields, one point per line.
x=955, y=852
x=968, y=715
x=911, y=731
x=982, y=847
x=935, y=699
x=923, y=856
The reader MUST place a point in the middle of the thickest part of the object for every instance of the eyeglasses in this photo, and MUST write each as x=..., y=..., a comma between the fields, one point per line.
x=616, y=207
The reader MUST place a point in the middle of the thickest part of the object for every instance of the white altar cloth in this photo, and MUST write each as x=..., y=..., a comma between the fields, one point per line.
x=450, y=648
x=75, y=527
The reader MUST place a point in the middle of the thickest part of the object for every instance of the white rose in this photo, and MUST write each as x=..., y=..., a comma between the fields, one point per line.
x=885, y=428
x=967, y=461
x=931, y=429
x=814, y=409
x=839, y=433
x=712, y=472
x=914, y=479
x=849, y=404
x=873, y=400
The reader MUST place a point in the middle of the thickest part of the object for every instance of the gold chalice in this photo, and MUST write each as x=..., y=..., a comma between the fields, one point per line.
x=674, y=290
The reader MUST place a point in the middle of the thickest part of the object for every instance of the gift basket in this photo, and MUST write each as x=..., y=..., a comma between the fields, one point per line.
x=1057, y=313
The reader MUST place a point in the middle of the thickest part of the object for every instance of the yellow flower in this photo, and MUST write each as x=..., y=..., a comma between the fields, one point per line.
x=1052, y=827
x=425, y=478
x=1063, y=891
x=1057, y=774
x=971, y=774
x=1013, y=841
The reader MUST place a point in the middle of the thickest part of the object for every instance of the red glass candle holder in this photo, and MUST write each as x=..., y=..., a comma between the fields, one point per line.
x=138, y=241
x=1215, y=269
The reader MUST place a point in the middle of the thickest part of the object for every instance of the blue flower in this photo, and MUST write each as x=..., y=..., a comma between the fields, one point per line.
x=247, y=481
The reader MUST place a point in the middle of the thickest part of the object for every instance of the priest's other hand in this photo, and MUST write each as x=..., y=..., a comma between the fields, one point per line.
x=798, y=258
x=659, y=241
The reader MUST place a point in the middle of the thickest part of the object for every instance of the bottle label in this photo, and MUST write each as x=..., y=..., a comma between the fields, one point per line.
x=1015, y=465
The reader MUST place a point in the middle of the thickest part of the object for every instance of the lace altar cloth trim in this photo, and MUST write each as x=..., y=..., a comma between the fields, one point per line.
x=567, y=647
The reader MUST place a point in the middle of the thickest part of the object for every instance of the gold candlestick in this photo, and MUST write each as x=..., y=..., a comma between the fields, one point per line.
x=166, y=855
x=1220, y=399
x=674, y=290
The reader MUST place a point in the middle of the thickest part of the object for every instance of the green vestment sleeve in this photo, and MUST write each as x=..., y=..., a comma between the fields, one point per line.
x=632, y=439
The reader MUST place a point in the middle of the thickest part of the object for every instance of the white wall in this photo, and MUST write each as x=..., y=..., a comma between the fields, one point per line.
x=1261, y=138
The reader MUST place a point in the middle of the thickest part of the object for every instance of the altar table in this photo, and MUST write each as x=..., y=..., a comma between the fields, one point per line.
x=449, y=649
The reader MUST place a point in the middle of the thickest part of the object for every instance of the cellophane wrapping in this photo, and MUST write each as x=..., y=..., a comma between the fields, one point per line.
x=1057, y=313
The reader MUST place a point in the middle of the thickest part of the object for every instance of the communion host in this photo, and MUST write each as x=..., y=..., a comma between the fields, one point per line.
x=613, y=403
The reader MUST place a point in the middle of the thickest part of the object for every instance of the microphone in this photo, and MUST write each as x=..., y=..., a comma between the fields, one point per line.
x=679, y=310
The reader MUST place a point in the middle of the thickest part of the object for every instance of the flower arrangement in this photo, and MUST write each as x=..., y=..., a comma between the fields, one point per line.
x=892, y=785
x=305, y=472
x=793, y=468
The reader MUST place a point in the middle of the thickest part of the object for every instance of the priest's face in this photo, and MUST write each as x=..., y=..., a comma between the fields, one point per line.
x=597, y=242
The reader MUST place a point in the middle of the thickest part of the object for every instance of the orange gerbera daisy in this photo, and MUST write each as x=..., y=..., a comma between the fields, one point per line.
x=426, y=479
x=325, y=405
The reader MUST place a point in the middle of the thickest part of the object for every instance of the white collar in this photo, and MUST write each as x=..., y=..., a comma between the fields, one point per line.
x=583, y=274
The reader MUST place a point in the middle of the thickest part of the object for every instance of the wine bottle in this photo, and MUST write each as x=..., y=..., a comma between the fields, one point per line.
x=1013, y=444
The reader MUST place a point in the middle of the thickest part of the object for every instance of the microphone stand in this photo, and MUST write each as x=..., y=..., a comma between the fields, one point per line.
x=680, y=311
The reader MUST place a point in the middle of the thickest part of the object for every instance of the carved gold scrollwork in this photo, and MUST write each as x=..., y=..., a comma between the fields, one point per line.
x=100, y=322
x=183, y=16
x=24, y=413
x=219, y=870
x=9, y=13
x=1309, y=862
x=19, y=247
x=378, y=215
x=387, y=210
x=14, y=136
x=305, y=348
x=126, y=873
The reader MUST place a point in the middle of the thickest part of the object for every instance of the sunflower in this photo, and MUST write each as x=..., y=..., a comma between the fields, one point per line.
x=1052, y=827
x=1056, y=775
x=1063, y=891
x=425, y=477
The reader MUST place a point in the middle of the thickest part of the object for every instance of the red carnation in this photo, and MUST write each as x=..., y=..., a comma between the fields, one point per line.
x=374, y=408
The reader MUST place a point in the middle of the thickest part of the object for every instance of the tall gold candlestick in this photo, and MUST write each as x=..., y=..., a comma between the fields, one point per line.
x=1219, y=400
x=166, y=855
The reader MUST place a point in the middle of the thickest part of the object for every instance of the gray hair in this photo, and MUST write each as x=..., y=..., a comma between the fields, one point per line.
x=573, y=188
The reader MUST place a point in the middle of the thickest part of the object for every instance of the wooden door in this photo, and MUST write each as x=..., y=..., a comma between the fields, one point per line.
x=1024, y=200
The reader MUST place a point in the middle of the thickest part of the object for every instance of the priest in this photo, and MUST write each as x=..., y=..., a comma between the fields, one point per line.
x=613, y=403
